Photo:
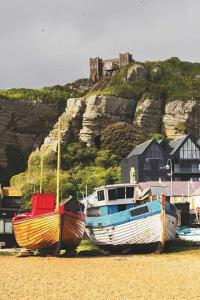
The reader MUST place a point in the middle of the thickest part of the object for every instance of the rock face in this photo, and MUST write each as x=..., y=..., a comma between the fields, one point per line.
x=86, y=118
x=71, y=123
x=149, y=113
x=23, y=127
x=136, y=72
x=181, y=117
x=101, y=111
x=174, y=119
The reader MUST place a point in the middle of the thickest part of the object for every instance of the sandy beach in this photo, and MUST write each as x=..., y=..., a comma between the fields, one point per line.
x=147, y=276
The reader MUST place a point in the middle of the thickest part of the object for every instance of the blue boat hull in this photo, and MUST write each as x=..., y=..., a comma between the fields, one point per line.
x=141, y=225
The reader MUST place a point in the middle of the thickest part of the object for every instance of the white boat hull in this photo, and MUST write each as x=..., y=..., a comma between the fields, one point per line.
x=194, y=236
x=143, y=231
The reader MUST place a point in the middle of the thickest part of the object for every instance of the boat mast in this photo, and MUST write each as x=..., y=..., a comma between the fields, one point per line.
x=41, y=168
x=58, y=170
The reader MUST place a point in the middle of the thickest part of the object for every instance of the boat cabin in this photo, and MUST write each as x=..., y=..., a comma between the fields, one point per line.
x=111, y=199
x=43, y=204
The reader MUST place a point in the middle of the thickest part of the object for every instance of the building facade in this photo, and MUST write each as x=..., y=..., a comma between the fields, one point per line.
x=10, y=204
x=148, y=161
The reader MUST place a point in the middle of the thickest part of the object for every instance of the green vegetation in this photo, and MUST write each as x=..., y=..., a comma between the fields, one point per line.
x=81, y=167
x=180, y=127
x=56, y=95
x=120, y=138
x=172, y=79
x=156, y=136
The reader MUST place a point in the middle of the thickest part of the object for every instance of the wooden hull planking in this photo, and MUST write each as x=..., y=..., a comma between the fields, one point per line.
x=138, y=232
x=48, y=231
x=72, y=231
x=38, y=232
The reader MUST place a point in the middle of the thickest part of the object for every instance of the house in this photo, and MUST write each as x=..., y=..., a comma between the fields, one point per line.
x=185, y=156
x=145, y=162
x=149, y=161
x=10, y=204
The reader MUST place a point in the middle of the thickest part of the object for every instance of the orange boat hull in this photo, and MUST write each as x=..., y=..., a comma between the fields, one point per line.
x=49, y=231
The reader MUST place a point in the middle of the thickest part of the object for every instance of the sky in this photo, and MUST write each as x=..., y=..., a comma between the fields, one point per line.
x=48, y=42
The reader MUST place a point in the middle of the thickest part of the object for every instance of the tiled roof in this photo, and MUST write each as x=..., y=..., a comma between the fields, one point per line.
x=139, y=149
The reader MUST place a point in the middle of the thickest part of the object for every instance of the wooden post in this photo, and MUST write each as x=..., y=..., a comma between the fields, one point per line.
x=58, y=170
x=163, y=221
x=41, y=169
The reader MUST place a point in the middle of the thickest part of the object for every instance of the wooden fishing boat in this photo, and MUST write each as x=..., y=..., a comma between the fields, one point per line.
x=50, y=226
x=189, y=234
x=114, y=219
x=48, y=230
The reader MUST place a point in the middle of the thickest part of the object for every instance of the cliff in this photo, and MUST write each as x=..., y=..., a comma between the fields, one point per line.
x=153, y=97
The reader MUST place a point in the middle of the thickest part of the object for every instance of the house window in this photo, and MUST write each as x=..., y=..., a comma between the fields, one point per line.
x=147, y=164
x=6, y=226
x=1, y=226
x=154, y=152
x=189, y=151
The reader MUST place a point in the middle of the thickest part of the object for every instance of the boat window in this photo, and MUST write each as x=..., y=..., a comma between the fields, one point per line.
x=121, y=193
x=101, y=196
x=129, y=192
x=93, y=212
x=112, y=194
x=139, y=211
x=121, y=207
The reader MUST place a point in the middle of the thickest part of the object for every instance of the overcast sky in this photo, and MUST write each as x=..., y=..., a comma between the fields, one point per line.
x=48, y=42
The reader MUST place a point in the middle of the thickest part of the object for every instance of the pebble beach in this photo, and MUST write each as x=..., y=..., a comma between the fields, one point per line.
x=144, y=276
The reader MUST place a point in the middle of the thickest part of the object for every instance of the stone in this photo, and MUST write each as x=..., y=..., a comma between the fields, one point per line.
x=136, y=72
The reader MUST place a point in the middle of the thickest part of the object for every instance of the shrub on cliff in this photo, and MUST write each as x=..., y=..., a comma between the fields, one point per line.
x=120, y=138
x=77, y=153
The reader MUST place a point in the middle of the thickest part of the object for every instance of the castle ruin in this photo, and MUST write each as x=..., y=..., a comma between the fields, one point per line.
x=100, y=68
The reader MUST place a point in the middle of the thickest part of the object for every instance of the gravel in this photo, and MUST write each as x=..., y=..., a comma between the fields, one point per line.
x=150, y=276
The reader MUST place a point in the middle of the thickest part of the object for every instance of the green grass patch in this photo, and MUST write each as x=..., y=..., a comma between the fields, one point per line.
x=86, y=245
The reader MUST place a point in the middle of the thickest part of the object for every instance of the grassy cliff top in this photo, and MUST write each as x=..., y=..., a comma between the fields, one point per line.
x=56, y=95
x=173, y=79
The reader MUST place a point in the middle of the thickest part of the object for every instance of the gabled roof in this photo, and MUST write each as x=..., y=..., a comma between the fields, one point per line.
x=140, y=148
x=176, y=144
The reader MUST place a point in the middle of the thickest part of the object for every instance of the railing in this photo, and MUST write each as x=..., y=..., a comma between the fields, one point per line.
x=181, y=169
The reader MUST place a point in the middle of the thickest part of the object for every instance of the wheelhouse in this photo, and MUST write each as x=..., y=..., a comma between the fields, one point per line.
x=111, y=199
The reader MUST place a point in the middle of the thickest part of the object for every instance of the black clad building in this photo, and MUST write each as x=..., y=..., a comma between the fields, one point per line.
x=147, y=161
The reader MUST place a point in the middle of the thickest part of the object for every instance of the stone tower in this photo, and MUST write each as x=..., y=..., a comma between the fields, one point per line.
x=96, y=69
